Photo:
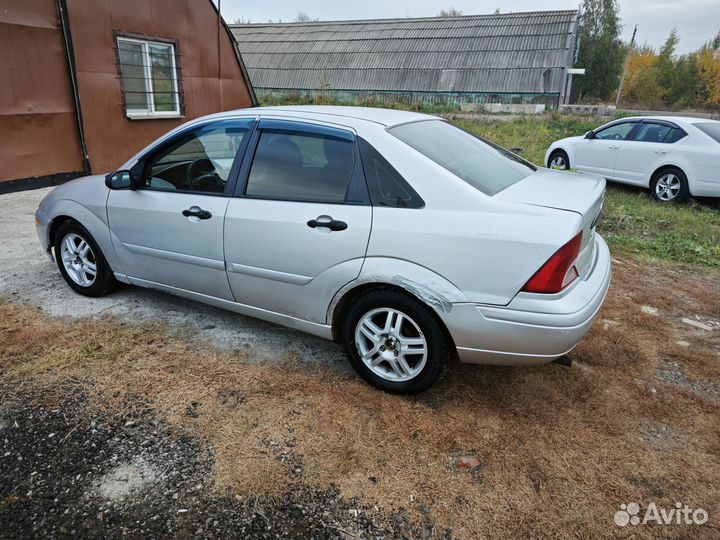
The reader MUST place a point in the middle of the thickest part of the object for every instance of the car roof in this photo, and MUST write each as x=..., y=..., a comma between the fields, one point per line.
x=674, y=119
x=385, y=117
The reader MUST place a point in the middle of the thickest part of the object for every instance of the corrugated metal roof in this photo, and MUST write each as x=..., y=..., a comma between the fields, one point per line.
x=502, y=53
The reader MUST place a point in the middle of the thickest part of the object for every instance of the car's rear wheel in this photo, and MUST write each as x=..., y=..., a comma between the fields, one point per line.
x=559, y=160
x=670, y=186
x=81, y=262
x=394, y=342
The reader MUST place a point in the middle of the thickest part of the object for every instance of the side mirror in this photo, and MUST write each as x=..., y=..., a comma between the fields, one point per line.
x=119, y=180
x=590, y=135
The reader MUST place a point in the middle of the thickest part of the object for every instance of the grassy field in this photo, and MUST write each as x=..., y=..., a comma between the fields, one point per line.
x=632, y=222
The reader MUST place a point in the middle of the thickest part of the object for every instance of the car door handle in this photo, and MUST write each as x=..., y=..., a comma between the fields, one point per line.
x=196, y=211
x=658, y=151
x=327, y=221
x=613, y=147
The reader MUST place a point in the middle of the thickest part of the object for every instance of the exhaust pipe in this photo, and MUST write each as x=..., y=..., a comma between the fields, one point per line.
x=564, y=360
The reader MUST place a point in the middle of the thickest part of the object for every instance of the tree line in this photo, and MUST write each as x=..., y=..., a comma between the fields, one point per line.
x=655, y=78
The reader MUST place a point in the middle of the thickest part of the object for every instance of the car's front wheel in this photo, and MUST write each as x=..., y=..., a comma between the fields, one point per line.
x=81, y=262
x=394, y=342
x=559, y=160
x=670, y=186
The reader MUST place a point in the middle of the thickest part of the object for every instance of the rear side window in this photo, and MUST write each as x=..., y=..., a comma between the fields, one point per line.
x=483, y=165
x=711, y=129
x=658, y=133
x=675, y=135
x=292, y=166
x=386, y=186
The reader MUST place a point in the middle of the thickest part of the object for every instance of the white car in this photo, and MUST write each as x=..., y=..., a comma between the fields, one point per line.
x=673, y=156
x=405, y=239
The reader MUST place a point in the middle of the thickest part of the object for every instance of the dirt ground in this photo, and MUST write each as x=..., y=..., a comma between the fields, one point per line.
x=112, y=424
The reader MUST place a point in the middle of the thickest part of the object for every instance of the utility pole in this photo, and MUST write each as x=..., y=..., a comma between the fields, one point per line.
x=625, y=68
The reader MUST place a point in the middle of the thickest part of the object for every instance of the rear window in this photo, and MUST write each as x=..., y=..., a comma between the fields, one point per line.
x=711, y=129
x=482, y=164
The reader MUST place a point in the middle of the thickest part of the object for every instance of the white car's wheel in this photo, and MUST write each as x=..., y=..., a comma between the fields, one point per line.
x=670, y=186
x=559, y=161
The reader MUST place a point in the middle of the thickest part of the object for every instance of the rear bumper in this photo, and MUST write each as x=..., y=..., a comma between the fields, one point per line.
x=533, y=328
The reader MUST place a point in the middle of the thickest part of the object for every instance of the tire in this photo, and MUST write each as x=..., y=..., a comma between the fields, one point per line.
x=397, y=372
x=670, y=186
x=78, y=272
x=561, y=158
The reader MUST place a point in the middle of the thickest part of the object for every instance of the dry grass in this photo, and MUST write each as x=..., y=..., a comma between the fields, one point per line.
x=560, y=448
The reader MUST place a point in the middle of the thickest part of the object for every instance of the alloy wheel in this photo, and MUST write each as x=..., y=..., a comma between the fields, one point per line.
x=667, y=187
x=391, y=344
x=558, y=162
x=78, y=259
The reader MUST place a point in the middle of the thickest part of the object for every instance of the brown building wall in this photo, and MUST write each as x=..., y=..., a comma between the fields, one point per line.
x=38, y=128
x=38, y=125
x=112, y=137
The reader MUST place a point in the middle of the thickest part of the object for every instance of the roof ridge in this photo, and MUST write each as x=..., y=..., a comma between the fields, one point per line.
x=408, y=19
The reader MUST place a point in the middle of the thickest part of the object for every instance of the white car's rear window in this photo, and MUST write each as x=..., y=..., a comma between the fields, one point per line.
x=711, y=129
x=482, y=164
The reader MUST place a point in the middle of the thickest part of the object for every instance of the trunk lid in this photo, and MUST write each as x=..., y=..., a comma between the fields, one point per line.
x=583, y=194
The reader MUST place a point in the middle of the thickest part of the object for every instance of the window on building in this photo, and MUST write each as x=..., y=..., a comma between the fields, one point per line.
x=149, y=78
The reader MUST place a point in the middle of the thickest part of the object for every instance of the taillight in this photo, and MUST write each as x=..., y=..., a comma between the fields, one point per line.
x=558, y=272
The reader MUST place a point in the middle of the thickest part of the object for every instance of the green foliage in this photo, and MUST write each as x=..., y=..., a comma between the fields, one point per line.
x=664, y=80
x=452, y=12
x=601, y=50
x=329, y=98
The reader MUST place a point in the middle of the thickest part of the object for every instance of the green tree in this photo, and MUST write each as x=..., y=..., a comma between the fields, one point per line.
x=601, y=50
x=452, y=12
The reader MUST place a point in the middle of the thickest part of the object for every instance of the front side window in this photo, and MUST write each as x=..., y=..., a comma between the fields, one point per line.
x=198, y=161
x=616, y=132
x=149, y=78
x=485, y=166
x=296, y=166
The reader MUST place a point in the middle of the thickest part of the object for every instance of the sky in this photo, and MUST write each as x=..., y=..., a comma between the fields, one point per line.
x=697, y=21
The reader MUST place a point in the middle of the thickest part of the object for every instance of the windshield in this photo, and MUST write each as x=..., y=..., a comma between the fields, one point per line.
x=482, y=164
x=711, y=129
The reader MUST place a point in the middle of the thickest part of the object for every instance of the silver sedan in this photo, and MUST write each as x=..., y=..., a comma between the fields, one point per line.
x=405, y=239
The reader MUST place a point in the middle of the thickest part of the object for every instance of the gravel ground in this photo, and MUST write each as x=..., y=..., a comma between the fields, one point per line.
x=72, y=472
x=28, y=277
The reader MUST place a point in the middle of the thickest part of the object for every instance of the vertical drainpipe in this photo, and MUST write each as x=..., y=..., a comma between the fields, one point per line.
x=569, y=58
x=70, y=51
x=219, y=25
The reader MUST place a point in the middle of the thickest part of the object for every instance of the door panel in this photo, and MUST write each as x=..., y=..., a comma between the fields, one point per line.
x=156, y=242
x=276, y=261
x=596, y=156
x=170, y=229
x=300, y=229
x=636, y=160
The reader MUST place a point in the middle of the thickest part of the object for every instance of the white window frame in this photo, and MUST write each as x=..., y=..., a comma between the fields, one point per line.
x=150, y=112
